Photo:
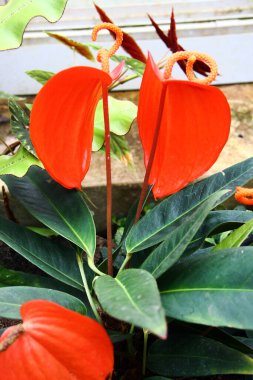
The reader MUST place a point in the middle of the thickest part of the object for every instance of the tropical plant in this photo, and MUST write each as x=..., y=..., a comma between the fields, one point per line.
x=175, y=293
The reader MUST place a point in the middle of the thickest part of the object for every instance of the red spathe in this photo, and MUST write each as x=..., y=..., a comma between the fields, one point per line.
x=62, y=122
x=194, y=128
x=57, y=344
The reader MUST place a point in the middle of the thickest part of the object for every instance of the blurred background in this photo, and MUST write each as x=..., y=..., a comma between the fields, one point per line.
x=223, y=29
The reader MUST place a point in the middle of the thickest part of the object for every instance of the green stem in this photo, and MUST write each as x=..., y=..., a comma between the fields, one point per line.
x=127, y=258
x=94, y=268
x=131, y=331
x=125, y=80
x=86, y=287
x=145, y=345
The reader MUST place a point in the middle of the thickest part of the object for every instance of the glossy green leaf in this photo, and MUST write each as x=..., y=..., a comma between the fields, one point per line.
x=154, y=226
x=11, y=298
x=128, y=224
x=192, y=355
x=16, y=14
x=80, y=48
x=40, y=76
x=62, y=210
x=19, y=163
x=211, y=288
x=42, y=231
x=9, y=277
x=56, y=260
x=217, y=222
x=236, y=238
x=133, y=297
x=220, y=334
x=121, y=113
x=168, y=252
x=20, y=120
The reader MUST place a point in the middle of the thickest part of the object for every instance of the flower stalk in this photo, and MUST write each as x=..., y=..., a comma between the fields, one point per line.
x=152, y=155
x=103, y=57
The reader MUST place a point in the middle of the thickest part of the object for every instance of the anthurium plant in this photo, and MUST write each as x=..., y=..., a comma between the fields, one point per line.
x=172, y=296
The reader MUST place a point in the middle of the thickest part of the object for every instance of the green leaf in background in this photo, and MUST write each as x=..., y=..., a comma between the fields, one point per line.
x=121, y=113
x=40, y=76
x=82, y=49
x=192, y=355
x=20, y=121
x=167, y=253
x=157, y=378
x=16, y=14
x=154, y=226
x=55, y=259
x=42, y=231
x=236, y=238
x=135, y=65
x=133, y=297
x=9, y=277
x=217, y=222
x=11, y=298
x=211, y=288
x=5, y=95
x=64, y=211
x=19, y=163
x=120, y=150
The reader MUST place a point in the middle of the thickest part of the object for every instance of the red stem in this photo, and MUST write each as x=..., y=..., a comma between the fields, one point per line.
x=152, y=154
x=108, y=180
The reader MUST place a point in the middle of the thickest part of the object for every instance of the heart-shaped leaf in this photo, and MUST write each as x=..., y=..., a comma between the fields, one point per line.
x=132, y=297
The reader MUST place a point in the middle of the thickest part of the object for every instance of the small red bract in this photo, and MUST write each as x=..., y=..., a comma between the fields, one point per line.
x=194, y=128
x=54, y=343
x=62, y=122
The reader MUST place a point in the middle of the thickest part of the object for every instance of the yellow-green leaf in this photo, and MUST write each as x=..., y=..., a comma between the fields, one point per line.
x=19, y=163
x=16, y=14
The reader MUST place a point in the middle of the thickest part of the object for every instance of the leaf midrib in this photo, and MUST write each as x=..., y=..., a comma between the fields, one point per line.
x=43, y=262
x=83, y=245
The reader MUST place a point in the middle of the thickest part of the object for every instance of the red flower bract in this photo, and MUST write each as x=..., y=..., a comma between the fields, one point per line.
x=56, y=344
x=194, y=127
x=62, y=121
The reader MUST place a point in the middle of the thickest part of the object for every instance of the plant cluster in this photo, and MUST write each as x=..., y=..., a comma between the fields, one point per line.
x=174, y=294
